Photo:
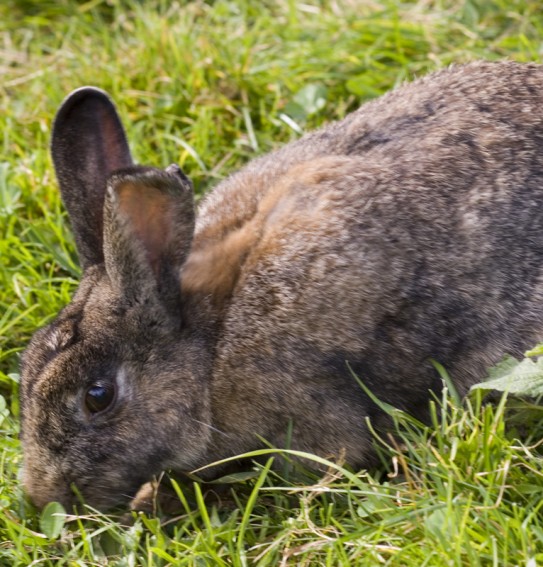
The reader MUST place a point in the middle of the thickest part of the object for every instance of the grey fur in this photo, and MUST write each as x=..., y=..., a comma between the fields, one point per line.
x=412, y=229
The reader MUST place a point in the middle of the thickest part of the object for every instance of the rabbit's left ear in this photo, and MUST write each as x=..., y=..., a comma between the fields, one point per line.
x=148, y=228
x=88, y=144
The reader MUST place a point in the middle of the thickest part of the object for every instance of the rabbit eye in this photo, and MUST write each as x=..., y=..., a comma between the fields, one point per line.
x=99, y=397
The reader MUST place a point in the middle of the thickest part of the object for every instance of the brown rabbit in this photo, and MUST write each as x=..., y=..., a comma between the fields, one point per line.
x=411, y=230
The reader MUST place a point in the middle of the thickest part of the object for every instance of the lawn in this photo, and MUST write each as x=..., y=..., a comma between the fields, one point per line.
x=210, y=85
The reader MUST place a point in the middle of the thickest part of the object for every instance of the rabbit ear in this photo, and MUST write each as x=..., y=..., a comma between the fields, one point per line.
x=148, y=228
x=88, y=144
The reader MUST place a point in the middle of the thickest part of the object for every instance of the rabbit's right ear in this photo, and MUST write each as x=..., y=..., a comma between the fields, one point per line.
x=88, y=144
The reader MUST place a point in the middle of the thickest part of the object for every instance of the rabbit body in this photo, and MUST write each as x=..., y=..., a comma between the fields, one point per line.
x=412, y=230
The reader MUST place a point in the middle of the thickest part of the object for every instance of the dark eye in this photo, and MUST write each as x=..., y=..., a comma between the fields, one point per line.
x=99, y=397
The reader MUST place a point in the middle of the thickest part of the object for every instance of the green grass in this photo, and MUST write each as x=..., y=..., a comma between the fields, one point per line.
x=209, y=85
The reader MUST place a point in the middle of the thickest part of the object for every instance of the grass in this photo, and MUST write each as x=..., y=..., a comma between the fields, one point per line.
x=209, y=85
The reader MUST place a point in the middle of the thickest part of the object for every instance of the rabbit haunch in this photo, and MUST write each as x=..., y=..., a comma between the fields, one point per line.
x=411, y=230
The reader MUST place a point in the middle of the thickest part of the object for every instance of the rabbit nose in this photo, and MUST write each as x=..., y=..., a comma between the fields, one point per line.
x=41, y=487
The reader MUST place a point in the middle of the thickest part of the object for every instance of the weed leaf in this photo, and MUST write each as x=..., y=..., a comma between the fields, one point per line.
x=52, y=520
x=524, y=377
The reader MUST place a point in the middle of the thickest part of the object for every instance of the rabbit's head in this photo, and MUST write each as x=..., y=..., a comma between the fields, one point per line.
x=101, y=411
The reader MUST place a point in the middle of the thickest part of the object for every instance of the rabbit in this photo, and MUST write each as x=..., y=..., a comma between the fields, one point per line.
x=409, y=231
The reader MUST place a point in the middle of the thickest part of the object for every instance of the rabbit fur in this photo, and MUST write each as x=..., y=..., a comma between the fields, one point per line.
x=411, y=230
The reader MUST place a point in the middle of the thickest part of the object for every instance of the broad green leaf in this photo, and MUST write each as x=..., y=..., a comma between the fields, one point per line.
x=524, y=377
x=441, y=524
x=52, y=519
x=307, y=101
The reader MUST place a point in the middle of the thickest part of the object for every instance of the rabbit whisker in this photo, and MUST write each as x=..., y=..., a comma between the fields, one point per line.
x=211, y=427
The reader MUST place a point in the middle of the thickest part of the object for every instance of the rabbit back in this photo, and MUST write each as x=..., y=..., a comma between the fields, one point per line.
x=411, y=231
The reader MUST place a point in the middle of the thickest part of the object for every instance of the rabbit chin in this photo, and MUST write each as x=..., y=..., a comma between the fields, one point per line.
x=40, y=495
x=103, y=493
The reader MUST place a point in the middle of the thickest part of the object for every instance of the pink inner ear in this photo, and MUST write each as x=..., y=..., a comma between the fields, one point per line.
x=115, y=149
x=151, y=216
